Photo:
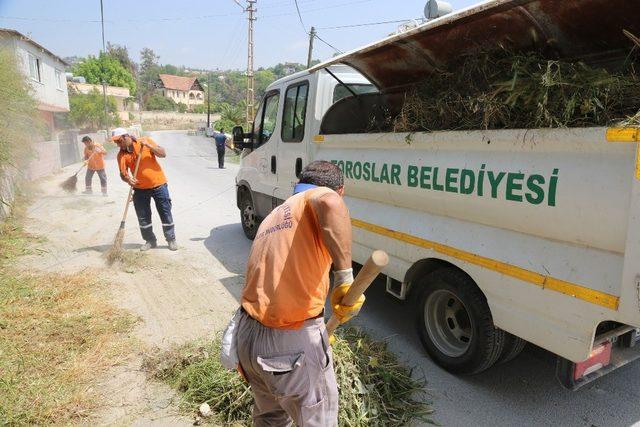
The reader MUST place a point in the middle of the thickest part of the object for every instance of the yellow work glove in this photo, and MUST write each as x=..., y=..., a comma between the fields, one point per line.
x=344, y=313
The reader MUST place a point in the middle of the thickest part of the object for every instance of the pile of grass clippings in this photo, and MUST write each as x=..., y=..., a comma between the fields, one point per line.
x=510, y=91
x=58, y=333
x=375, y=390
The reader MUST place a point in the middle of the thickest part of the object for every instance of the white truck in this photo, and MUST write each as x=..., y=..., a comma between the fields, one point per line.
x=500, y=237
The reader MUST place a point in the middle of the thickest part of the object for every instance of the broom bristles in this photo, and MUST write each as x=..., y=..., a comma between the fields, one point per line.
x=115, y=253
x=69, y=184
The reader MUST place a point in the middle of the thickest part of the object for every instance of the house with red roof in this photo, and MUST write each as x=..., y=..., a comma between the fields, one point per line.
x=185, y=90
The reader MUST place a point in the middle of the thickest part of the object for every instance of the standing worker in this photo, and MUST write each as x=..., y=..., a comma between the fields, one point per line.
x=94, y=156
x=150, y=183
x=221, y=142
x=282, y=344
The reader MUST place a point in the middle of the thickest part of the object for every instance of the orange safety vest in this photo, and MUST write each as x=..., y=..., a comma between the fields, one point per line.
x=95, y=160
x=150, y=174
x=288, y=267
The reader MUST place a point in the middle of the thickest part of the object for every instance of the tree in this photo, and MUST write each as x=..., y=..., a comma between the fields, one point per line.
x=158, y=102
x=105, y=68
x=121, y=53
x=148, y=75
x=233, y=113
x=87, y=111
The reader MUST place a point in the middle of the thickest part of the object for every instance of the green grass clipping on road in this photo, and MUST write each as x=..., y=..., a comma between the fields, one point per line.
x=58, y=334
x=375, y=389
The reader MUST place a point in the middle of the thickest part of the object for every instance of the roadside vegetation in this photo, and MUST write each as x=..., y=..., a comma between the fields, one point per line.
x=58, y=334
x=375, y=389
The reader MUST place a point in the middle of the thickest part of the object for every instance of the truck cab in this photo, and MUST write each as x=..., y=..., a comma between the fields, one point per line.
x=277, y=147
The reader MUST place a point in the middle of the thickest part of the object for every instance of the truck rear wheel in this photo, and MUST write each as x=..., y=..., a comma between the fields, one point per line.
x=248, y=216
x=455, y=324
x=513, y=346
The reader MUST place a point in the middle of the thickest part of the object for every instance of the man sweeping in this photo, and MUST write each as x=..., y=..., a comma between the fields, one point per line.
x=150, y=183
x=282, y=344
x=94, y=156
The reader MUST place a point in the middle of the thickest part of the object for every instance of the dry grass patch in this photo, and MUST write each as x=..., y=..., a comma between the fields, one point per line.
x=58, y=334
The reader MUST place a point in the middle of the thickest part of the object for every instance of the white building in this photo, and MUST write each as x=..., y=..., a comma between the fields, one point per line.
x=185, y=90
x=44, y=70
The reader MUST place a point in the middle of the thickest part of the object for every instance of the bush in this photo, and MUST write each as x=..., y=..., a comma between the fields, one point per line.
x=87, y=111
x=19, y=120
x=160, y=103
x=182, y=107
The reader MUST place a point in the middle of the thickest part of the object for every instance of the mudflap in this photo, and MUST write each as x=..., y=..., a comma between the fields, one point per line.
x=607, y=355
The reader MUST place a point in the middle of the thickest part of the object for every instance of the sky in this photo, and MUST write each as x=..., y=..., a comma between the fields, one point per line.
x=208, y=34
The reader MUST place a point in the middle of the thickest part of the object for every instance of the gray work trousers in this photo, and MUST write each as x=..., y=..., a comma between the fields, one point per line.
x=290, y=373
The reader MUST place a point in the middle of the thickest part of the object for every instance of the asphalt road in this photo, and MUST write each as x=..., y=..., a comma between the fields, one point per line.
x=522, y=392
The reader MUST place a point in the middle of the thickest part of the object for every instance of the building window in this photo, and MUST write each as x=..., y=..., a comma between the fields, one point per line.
x=34, y=68
x=59, y=79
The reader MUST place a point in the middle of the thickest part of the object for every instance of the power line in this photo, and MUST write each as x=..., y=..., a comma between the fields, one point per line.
x=367, y=24
x=300, y=17
x=304, y=27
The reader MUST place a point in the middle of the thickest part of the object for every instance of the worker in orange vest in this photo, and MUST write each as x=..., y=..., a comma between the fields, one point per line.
x=149, y=183
x=94, y=157
x=282, y=344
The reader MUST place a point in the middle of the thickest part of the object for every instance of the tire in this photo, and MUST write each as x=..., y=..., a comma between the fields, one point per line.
x=248, y=215
x=513, y=346
x=455, y=324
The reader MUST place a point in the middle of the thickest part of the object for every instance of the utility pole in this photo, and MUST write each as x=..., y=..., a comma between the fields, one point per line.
x=104, y=83
x=250, y=78
x=208, y=99
x=312, y=36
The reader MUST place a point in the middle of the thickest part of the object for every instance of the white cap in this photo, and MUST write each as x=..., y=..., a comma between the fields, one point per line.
x=117, y=133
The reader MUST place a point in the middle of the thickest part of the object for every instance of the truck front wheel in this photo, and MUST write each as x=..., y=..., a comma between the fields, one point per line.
x=455, y=324
x=248, y=216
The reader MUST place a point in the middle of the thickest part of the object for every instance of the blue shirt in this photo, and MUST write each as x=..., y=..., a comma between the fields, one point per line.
x=300, y=188
x=220, y=139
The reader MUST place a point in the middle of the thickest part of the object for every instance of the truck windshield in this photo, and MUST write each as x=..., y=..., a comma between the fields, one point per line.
x=360, y=88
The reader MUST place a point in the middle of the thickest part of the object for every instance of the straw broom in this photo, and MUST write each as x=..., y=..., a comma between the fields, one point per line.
x=69, y=185
x=115, y=252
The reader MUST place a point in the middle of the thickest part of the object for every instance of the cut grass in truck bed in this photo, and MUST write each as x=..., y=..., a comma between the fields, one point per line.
x=58, y=333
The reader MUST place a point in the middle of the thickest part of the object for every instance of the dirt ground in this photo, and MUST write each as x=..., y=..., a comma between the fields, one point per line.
x=188, y=294
x=179, y=296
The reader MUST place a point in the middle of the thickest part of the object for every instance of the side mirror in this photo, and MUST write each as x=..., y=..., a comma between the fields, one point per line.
x=241, y=140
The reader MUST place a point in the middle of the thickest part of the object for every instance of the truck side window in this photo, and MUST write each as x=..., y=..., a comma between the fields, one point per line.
x=295, y=111
x=266, y=117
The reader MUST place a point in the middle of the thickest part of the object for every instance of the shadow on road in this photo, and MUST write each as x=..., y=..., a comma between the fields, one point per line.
x=526, y=386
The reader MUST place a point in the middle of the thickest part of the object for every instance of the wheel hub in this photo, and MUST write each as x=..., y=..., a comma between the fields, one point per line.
x=249, y=216
x=448, y=324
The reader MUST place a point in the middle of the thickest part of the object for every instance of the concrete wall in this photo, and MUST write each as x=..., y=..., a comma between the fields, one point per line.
x=50, y=90
x=165, y=120
x=8, y=183
x=46, y=160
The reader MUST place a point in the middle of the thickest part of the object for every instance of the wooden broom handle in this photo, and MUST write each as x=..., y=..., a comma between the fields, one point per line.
x=369, y=271
x=135, y=175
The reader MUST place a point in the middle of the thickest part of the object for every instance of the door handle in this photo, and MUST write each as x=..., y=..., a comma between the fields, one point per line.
x=274, y=166
x=298, y=167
